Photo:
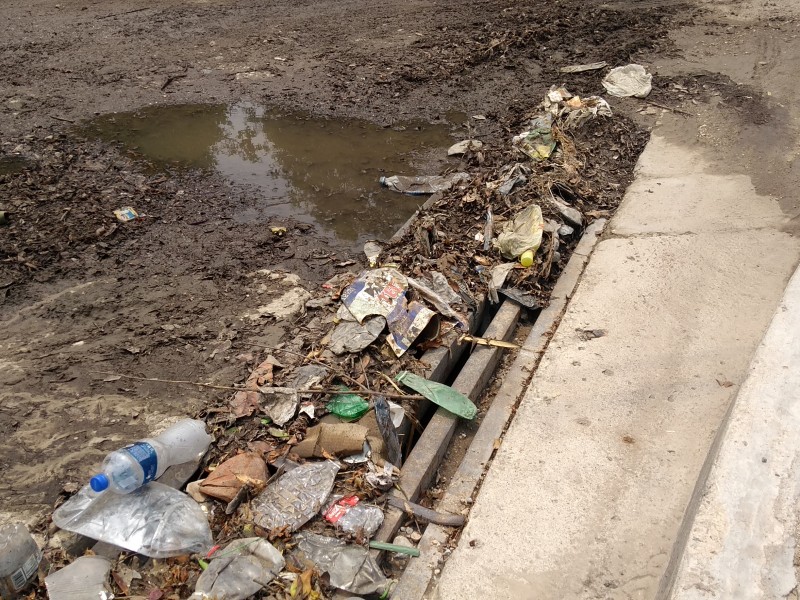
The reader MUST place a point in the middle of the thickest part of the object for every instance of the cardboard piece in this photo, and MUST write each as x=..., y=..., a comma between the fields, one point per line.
x=340, y=439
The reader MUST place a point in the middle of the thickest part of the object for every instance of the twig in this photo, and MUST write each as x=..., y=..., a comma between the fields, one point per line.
x=389, y=379
x=318, y=390
x=665, y=107
x=61, y=119
x=305, y=357
x=170, y=79
x=127, y=12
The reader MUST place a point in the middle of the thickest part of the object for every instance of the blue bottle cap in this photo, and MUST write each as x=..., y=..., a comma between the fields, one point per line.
x=99, y=482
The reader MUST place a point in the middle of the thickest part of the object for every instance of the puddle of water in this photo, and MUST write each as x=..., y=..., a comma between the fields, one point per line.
x=318, y=171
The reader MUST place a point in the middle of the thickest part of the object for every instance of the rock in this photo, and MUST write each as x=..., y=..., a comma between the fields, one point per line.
x=464, y=146
x=402, y=540
x=415, y=536
x=15, y=103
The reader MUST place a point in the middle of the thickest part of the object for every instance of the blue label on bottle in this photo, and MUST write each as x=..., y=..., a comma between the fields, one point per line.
x=146, y=456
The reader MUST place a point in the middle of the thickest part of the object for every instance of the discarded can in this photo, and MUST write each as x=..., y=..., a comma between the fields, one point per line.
x=19, y=559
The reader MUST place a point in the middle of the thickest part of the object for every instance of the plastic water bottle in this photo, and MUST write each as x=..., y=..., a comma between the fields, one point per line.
x=131, y=467
x=19, y=559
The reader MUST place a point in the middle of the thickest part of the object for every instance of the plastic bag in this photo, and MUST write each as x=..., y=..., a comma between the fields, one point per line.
x=521, y=234
x=155, y=520
x=85, y=579
x=537, y=141
x=296, y=497
x=630, y=80
x=239, y=571
x=349, y=567
x=439, y=393
x=348, y=406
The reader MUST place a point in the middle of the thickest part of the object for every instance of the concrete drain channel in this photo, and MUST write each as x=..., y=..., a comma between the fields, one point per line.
x=427, y=454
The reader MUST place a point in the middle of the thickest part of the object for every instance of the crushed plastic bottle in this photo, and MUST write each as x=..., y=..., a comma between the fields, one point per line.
x=354, y=517
x=19, y=559
x=129, y=468
x=295, y=497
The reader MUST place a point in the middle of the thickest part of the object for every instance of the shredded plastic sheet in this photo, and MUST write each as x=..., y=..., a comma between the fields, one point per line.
x=155, y=520
x=523, y=233
x=439, y=393
x=383, y=292
x=349, y=567
x=239, y=570
x=295, y=497
x=537, y=141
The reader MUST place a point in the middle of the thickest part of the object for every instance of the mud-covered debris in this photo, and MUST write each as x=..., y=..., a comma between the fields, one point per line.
x=422, y=185
x=464, y=146
x=537, y=141
x=595, y=66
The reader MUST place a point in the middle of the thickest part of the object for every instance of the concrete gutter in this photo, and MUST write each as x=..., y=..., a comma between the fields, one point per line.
x=742, y=541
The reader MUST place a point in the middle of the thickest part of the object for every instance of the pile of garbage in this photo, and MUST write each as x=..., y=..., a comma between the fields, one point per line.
x=295, y=476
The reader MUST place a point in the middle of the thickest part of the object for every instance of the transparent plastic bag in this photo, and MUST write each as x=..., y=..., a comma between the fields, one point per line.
x=155, y=520
x=352, y=516
x=295, y=497
x=240, y=570
x=349, y=567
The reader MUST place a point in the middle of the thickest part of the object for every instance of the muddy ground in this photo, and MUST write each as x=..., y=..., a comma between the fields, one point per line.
x=84, y=298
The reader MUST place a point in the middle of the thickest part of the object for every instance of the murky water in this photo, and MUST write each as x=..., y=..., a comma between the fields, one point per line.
x=318, y=171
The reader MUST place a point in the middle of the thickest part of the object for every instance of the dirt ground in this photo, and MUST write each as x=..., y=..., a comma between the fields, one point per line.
x=168, y=297
x=175, y=296
x=82, y=298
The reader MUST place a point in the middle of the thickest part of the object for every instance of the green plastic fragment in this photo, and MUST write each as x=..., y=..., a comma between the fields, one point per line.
x=439, y=393
x=375, y=545
x=347, y=406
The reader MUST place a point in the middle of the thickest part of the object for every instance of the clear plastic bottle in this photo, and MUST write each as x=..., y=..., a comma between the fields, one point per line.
x=19, y=560
x=129, y=468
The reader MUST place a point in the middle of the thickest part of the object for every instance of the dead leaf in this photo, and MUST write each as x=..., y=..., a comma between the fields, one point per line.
x=228, y=478
x=725, y=384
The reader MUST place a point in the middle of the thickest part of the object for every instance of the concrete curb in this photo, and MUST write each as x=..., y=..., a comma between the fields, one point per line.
x=738, y=537
x=417, y=577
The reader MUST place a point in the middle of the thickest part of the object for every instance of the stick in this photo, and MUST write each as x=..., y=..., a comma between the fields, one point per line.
x=426, y=514
x=487, y=342
x=335, y=391
x=675, y=110
x=61, y=119
x=127, y=12
x=170, y=79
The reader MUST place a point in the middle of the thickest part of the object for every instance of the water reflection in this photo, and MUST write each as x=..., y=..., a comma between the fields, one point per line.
x=318, y=171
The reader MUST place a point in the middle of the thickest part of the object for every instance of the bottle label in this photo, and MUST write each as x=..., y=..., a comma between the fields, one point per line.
x=146, y=456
